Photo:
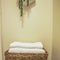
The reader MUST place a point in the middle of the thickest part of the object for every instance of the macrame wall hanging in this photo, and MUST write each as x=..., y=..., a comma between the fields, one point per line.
x=22, y=4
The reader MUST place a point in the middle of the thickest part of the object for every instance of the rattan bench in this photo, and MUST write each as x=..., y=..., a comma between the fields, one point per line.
x=26, y=56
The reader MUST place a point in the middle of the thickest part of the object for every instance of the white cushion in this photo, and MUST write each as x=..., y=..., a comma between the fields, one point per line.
x=26, y=45
x=25, y=50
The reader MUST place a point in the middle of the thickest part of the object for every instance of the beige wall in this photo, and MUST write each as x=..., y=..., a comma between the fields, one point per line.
x=56, y=30
x=0, y=40
x=36, y=27
x=0, y=45
x=0, y=33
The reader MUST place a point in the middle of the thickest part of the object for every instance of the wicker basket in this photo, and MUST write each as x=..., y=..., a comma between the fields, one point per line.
x=26, y=56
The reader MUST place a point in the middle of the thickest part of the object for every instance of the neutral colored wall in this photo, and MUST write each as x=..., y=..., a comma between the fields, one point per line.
x=0, y=40
x=56, y=30
x=0, y=33
x=36, y=27
x=0, y=45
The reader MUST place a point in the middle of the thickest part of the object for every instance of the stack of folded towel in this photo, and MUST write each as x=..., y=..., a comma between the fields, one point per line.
x=23, y=47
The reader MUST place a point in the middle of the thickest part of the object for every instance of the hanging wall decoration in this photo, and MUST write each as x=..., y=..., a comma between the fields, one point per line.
x=23, y=4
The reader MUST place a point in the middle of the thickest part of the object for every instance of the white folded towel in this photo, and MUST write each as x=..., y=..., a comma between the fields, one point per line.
x=26, y=45
x=25, y=50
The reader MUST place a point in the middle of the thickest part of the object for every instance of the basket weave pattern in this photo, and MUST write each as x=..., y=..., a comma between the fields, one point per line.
x=25, y=56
